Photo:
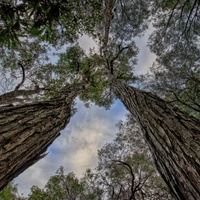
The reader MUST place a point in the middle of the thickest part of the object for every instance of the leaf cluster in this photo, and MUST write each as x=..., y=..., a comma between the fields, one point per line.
x=56, y=22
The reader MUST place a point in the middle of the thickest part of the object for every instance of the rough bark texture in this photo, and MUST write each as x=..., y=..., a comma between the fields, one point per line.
x=108, y=17
x=26, y=131
x=173, y=138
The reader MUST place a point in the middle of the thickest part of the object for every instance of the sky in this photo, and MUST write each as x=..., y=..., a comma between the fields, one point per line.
x=89, y=129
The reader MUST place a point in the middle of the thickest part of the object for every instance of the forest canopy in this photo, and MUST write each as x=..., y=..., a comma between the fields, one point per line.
x=38, y=92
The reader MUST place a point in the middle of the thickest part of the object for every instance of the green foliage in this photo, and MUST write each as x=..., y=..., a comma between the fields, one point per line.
x=61, y=187
x=10, y=193
x=56, y=22
x=37, y=193
x=119, y=61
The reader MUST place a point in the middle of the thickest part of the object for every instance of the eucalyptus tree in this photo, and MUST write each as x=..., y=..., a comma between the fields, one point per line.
x=173, y=136
x=59, y=186
x=63, y=186
x=28, y=30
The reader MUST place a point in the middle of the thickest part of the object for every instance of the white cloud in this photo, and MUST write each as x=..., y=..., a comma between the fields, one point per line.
x=145, y=57
x=87, y=42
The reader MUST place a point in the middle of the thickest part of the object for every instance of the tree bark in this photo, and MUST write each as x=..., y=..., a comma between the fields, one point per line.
x=26, y=131
x=173, y=138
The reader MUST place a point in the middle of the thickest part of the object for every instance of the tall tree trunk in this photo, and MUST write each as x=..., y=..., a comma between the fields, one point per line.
x=173, y=138
x=26, y=131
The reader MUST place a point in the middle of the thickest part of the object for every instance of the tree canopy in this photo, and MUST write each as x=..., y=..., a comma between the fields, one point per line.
x=56, y=22
x=31, y=31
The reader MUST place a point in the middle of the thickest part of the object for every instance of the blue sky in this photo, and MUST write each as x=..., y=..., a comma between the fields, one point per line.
x=88, y=130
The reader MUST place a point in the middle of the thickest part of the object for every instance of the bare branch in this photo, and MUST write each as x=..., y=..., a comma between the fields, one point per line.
x=170, y=17
x=186, y=30
x=132, y=175
x=186, y=104
x=23, y=77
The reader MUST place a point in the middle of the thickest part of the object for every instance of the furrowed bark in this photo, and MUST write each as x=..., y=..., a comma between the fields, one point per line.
x=26, y=131
x=173, y=138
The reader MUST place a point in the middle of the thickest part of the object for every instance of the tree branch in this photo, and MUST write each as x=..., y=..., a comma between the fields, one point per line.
x=170, y=17
x=11, y=97
x=116, y=57
x=186, y=30
x=132, y=175
x=23, y=77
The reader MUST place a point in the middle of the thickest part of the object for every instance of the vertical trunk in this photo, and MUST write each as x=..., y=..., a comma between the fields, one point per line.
x=173, y=138
x=26, y=131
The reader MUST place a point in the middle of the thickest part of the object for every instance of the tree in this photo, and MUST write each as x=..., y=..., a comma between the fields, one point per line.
x=62, y=187
x=10, y=193
x=28, y=130
x=125, y=168
x=172, y=136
